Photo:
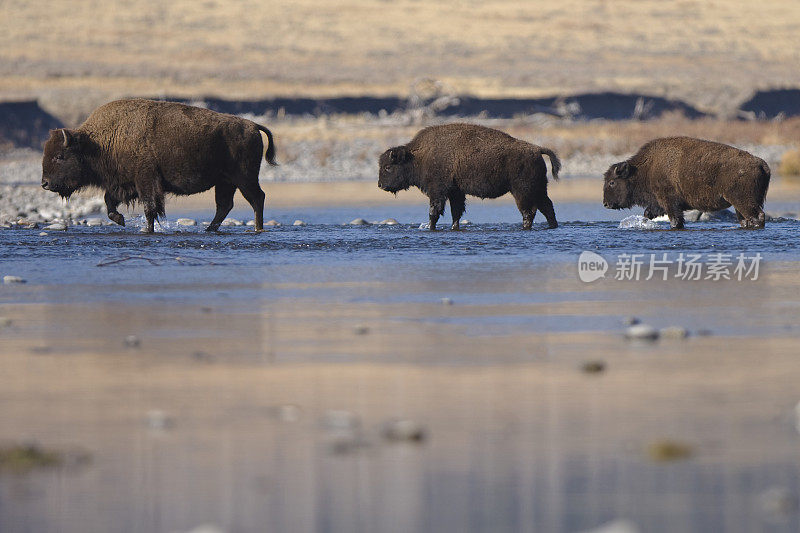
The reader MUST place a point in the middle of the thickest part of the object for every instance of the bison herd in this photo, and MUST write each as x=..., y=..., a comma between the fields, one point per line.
x=140, y=150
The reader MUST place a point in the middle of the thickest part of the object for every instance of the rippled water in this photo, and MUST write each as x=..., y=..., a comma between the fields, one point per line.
x=521, y=440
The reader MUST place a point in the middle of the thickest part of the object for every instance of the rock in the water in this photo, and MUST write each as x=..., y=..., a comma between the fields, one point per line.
x=232, y=222
x=669, y=450
x=56, y=226
x=43, y=234
x=673, y=332
x=340, y=420
x=388, y=222
x=131, y=341
x=642, y=332
x=404, y=430
x=13, y=279
x=778, y=501
x=344, y=442
x=630, y=321
x=186, y=222
x=250, y=222
x=617, y=526
x=272, y=223
x=95, y=221
x=361, y=330
x=5, y=321
x=298, y=223
x=288, y=413
x=447, y=301
x=593, y=367
x=465, y=222
x=159, y=420
x=359, y=222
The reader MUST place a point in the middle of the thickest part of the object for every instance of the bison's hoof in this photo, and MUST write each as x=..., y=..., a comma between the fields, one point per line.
x=213, y=227
x=117, y=217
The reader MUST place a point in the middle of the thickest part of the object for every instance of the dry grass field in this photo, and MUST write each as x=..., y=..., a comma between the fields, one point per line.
x=709, y=53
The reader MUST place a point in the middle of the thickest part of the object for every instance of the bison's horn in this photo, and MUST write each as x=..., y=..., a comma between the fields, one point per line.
x=66, y=137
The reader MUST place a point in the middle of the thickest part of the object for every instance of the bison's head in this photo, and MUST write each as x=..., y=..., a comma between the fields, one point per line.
x=63, y=166
x=396, y=169
x=617, y=189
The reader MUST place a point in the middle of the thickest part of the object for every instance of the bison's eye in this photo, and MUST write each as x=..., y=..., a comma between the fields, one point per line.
x=612, y=183
x=387, y=168
x=59, y=157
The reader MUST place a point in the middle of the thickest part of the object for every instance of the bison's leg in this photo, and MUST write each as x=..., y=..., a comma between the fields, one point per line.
x=751, y=218
x=675, y=214
x=546, y=207
x=436, y=210
x=528, y=211
x=457, y=205
x=223, y=194
x=111, y=208
x=255, y=197
x=653, y=211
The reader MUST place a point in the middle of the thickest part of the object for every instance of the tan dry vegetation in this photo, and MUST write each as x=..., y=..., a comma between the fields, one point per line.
x=708, y=52
x=790, y=164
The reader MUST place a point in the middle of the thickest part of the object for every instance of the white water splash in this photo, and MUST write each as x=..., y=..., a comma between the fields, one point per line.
x=637, y=222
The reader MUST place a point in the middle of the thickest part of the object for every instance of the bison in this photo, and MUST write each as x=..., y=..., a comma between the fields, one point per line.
x=143, y=149
x=668, y=176
x=451, y=161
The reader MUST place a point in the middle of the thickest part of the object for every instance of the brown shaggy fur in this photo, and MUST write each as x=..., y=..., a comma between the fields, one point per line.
x=668, y=176
x=450, y=161
x=142, y=150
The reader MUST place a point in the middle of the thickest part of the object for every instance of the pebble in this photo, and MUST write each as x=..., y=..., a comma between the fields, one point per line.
x=345, y=442
x=5, y=321
x=99, y=222
x=131, y=341
x=465, y=222
x=796, y=413
x=673, y=332
x=250, y=223
x=642, y=332
x=404, y=430
x=56, y=226
x=668, y=450
x=616, y=526
x=158, y=419
x=593, y=367
x=447, y=301
x=13, y=279
x=232, y=222
x=186, y=222
x=778, y=501
x=288, y=413
x=272, y=223
x=630, y=321
x=298, y=223
x=43, y=234
x=388, y=222
x=359, y=222
x=361, y=330
x=337, y=420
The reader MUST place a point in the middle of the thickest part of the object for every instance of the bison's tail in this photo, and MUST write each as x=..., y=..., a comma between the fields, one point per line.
x=269, y=145
x=555, y=163
x=765, y=177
